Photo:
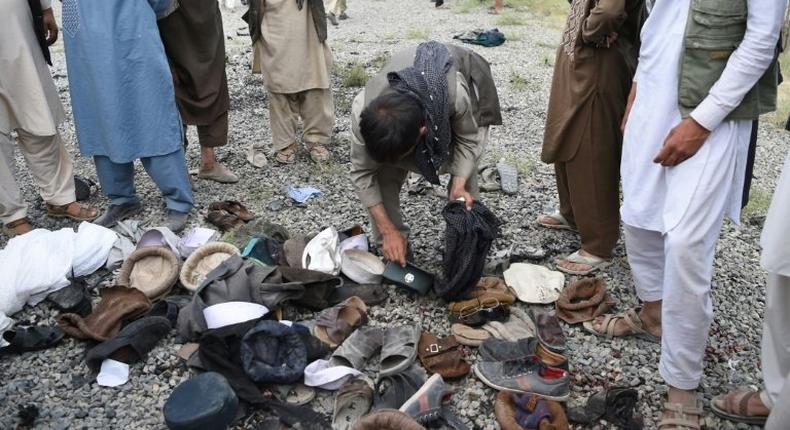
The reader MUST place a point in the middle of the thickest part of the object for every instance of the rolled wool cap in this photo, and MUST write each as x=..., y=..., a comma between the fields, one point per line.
x=273, y=353
x=533, y=283
x=205, y=259
x=362, y=267
x=152, y=270
x=204, y=402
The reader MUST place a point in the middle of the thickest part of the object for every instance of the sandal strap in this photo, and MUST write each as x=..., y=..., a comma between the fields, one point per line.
x=17, y=223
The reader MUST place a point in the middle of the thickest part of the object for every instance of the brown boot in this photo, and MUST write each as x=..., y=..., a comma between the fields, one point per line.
x=387, y=419
x=117, y=304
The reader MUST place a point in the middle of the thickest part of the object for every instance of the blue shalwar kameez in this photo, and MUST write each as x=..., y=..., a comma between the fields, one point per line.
x=122, y=97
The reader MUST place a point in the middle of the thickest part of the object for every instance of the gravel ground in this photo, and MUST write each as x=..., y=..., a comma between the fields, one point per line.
x=59, y=384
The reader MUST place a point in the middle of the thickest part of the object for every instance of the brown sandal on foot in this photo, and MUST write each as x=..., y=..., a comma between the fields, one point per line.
x=685, y=417
x=287, y=155
x=631, y=319
x=734, y=406
x=318, y=152
x=85, y=214
x=13, y=226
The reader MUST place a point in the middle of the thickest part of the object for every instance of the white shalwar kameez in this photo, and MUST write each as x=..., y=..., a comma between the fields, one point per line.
x=673, y=215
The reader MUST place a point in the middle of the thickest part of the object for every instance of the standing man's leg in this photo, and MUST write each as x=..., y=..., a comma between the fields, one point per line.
x=117, y=183
x=776, y=351
x=317, y=110
x=341, y=8
x=13, y=209
x=212, y=136
x=331, y=7
x=283, y=121
x=390, y=180
x=169, y=172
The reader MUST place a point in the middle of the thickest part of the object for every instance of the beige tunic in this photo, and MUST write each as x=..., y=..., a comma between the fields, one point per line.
x=28, y=97
x=465, y=152
x=289, y=54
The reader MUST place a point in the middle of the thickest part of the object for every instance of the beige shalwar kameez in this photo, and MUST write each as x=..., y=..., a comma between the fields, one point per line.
x=296, y=69
x=29, y=105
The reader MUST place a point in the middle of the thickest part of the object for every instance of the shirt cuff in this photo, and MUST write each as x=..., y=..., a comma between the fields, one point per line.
x=46, y=4
x=709, y=114
x=370, y=197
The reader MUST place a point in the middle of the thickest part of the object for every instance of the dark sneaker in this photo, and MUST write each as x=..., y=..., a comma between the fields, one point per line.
x=176, y=221
x=494, y=349
x=117, y=213
x=525, y=375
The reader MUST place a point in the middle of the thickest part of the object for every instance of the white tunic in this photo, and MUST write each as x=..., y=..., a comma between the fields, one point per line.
x=655, y=197
x=28, y=97
x=776, y=251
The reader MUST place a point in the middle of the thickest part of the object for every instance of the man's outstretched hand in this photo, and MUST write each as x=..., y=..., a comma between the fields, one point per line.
x=50, y=26
x=394, y=247
x=682, y=143
x=458, y=191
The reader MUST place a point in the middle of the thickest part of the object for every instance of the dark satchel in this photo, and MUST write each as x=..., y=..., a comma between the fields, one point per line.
x=38, y=28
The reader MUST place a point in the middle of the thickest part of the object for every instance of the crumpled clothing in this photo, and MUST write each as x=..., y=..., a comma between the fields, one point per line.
x=322, y=253
x=468, y=239
x=40, y=262
x=487, y=38
x=302, y=194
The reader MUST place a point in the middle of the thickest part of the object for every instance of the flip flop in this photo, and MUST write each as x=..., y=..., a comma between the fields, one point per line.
x=508, y=176
x=562, y=223
x=358, y=348
x=353, y=401
x=595, y=263
x=631, y=319
x=736, y=407
x=399, y=349
x=333, y=325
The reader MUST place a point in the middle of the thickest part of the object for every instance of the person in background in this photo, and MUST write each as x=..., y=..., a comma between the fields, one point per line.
x=336, y=9
x=29, y=105
x=290, y=50
x=124, y=103
x=592, y=77
x=195, y=45
x=696, y=92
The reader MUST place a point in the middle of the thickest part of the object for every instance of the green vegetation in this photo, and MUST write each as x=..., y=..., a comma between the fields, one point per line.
x=352, y=74
x=759, y=201
x=509, y=18
x=518, y=82
x=418, y=34
x=379, y=61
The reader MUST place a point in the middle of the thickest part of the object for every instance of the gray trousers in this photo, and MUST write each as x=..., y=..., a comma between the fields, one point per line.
x=776, y=352
x=50, y=166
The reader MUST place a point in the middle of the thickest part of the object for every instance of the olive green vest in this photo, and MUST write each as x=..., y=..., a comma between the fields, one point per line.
x=714, y=30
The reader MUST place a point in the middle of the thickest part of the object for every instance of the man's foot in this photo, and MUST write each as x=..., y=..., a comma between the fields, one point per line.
x=581, y=263
x=176, y=221
x=117, y=213
x=344, y=16
x=634, y=322
x=287, y=155
x=742, y=405
x=218, y=173
x=73, y=210
x=19, y=227
x=331, y=17
x=318, y=152
x=556, y=221
x=682, y=411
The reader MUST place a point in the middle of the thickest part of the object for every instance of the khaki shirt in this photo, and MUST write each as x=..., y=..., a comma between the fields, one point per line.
x=465, y=150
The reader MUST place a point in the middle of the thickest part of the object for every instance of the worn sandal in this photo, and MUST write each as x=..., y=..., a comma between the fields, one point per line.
x=335, y=324
x=683, y=417
x=286, y=155
x=234, y=208
x=560, y=223
x=399, y=349
x=358, y=348
x=353, y=401
x=62, y=211
x=595, y=263
x=318, y=152
x=548, y=329
x=630, y=318
x=223, y=221
x=734, y=406
x=13, y=227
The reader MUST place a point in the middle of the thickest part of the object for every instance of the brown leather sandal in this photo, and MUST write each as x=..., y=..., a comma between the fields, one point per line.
x=85, y=214
x=318, y=152
x=287, y=155
x=736, y=406
x=684, y=417
x=13, y=227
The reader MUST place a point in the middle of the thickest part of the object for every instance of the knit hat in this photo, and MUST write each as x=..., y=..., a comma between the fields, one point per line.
x=205, y=259
x=584, y=300
x=206, y=401
x=152, y=270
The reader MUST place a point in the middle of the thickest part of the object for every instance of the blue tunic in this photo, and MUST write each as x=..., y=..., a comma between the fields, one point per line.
x=121, y=88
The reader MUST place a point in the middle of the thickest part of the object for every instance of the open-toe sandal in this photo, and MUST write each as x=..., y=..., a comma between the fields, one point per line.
x=62, y=211
x=335, y=324
x=631, y=319
x=400, y=349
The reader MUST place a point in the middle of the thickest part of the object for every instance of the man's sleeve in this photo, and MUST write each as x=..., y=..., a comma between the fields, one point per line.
x=363, y=168
x=605, y=18
x=746, y=65
x=46, y=4
x=468, y=147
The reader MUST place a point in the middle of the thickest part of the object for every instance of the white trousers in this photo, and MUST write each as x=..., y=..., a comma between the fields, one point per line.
x=49, y=164
x=776, y=351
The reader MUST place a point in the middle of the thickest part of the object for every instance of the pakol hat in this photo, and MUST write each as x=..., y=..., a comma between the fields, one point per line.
x=152, y=270
x=205, y=259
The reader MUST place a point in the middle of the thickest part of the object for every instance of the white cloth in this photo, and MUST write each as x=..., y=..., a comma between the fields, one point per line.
x=655, y=197
x=322, y=374
x=28, y=97
x=196, y=238
x=776, y=340
x=533, y=283
x=229, y=313
x=776, y=251
x=38, y=263
x=322, y=253
x=113, y=373
x=362, y=267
